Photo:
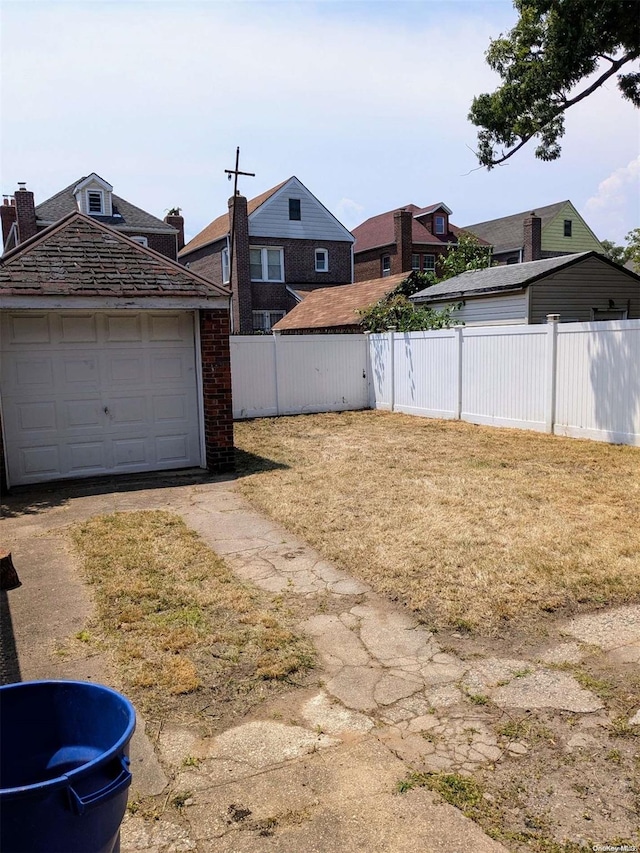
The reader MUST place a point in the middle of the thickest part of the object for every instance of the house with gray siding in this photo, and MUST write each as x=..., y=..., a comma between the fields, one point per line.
x=273, y=250
x=580, y=288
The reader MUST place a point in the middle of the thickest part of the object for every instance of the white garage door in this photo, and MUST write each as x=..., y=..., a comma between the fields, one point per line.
x=91, y=393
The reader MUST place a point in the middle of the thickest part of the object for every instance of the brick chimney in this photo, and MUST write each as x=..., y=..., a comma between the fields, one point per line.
x=25, y=213
x=242, y=316
x=532, y=228
x=8, y=217
x=403, y=236
x=177, y=222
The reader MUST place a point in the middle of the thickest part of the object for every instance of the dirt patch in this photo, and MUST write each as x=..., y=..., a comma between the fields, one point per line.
x=469, y=526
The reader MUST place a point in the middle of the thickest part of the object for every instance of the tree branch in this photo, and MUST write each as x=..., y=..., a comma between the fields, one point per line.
x=616, y=65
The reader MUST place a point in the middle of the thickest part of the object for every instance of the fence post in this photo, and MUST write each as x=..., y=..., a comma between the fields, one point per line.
x=457, y=411
x=552, y=367
x=392, y=368
x=276, y=337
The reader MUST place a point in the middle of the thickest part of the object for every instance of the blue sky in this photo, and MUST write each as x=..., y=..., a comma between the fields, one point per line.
x=365, y=102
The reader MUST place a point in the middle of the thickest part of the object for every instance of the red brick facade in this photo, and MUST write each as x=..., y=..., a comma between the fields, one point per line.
x=216, y=390
x=25, y=215
x=532, y=250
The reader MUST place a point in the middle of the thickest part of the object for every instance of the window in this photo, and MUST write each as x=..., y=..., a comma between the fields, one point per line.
x=386, y=265
x=567, y=228
x=225, y=265
x=294, y=208
x=266, y=264
x=608, y=313
x=428, y=263
x=415, y=263
x=440, y=223
x=264, y=320
x=95, y=201
x=322, y=260
x=141, y=240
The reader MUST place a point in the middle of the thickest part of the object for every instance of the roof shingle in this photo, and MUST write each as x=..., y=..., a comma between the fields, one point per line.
x=378, y=231
x=507, y=232
x=81, y=257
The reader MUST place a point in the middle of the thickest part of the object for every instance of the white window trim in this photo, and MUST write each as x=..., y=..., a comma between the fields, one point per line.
x=424, y=262
x=414, y=256
x=386, y=270
x=325, y=254
x=265, y=314
x=265, y=263
x=435, y=224
x=139, y=238
x=102, y=210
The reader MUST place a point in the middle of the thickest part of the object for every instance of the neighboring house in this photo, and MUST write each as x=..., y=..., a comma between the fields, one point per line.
x=93, y=196
x=410, y=238
x=115, y=358
x=580, y=288
x=286, y=243
x=334, y=310
x=557, y=229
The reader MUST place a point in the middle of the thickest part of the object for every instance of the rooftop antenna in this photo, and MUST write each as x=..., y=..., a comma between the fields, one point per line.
x=235, y=172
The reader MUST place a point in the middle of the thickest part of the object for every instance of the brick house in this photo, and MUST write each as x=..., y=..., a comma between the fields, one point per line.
x=93, y=196
x=402, y=240
x=286, y=244
x=114, y=357
x=546, y=232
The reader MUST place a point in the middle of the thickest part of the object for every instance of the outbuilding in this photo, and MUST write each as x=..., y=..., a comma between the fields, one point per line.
x=115, y=359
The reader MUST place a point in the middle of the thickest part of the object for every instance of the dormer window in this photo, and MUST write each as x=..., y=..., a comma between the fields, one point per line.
x=95, y=201
x=440, y=224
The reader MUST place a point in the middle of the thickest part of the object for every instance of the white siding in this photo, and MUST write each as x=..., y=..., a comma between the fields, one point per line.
x=488, y=310
x=271, y=219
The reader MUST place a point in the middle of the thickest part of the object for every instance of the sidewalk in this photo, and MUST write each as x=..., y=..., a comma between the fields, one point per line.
x=317, y=772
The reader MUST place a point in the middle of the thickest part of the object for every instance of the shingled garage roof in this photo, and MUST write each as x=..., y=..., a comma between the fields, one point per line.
x=378, y=231
x=334, y=307
x=220, y=227
x=81, y=257
x=504, y=277
x=506, y=233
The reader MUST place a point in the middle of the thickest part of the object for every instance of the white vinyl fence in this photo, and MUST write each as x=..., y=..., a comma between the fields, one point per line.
x=295, y=374
x=575, y=379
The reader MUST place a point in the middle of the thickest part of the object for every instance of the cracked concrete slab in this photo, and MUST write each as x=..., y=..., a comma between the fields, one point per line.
x=608, y=629
x=264, y=744
x=331, y=718
x=547, y=689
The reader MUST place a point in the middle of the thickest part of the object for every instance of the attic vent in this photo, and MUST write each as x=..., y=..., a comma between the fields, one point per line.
x=94, y=201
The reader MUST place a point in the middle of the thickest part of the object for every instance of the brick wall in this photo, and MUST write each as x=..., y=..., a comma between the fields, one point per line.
x=300, y=260
x=25, y=214
x=240, y=273
x=166, y=244
x=3, y=470
x=216, y=390
x=532, y=227
x=368, y=265
x=8, y=216
x=402, y=228
x=207, y=261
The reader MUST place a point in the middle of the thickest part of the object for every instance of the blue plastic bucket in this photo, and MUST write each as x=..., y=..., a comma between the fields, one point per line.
x=64, y=766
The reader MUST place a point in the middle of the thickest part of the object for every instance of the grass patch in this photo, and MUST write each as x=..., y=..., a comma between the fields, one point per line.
x=175, y=617
x=472, y=527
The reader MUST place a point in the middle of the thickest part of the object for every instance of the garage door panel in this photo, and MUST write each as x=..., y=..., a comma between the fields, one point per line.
x=74, y=408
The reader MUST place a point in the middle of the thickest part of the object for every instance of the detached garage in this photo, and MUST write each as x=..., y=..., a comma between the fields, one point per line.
x=115, y=359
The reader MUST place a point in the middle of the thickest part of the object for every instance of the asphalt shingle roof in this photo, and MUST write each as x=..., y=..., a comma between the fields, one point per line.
x=507, y=232
x=221, y=226
x=64, y=202
x=505, y=277
x=330, y=307
x=81, y=257
x=378, y=230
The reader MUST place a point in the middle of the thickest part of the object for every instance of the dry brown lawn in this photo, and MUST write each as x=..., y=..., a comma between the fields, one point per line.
x=176, y=620
x=470, y=526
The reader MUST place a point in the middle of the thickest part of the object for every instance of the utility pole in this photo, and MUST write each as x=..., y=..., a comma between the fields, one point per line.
x=235, y=172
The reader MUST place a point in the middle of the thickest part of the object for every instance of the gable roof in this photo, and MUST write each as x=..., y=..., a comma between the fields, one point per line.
x=507, y=277
x=506, y=232
x=378, y=231
x=220, y=227
x=81, y=257
x=131, y=217
x=329, y=307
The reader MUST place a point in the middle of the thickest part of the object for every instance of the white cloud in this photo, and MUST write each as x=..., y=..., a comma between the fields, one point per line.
x=616, y=203
x=349, y=212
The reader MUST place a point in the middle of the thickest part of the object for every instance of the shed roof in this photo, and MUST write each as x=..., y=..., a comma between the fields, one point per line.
x=506, y=277
x=330, y=307
x=81, y=257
